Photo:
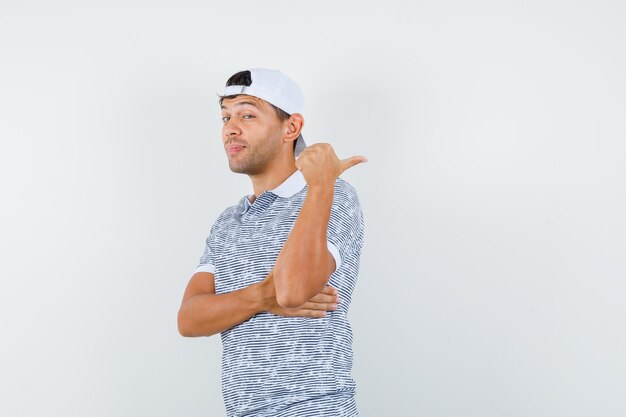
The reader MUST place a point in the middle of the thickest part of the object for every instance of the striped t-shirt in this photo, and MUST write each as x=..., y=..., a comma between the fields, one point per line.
x=285, y=366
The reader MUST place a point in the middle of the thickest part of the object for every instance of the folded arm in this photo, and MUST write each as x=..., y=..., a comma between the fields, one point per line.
x=204, y=313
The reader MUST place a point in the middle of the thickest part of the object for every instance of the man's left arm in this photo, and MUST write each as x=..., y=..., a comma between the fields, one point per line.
x=305, y=264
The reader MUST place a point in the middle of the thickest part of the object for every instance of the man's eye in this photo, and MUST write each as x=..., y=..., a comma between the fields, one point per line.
x=248, y=116
x=225, y=119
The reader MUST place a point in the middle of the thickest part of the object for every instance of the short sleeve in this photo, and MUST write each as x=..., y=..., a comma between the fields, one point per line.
x=345, y=226
x=206, y=264
x=207, y=260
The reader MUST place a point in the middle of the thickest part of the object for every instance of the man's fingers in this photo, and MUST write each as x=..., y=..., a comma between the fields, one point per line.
x=327, y=295
x=352, y=161
x=325, y=298
x=305, y=312
x=329, y=290
x=309, y=309
x=310, y=305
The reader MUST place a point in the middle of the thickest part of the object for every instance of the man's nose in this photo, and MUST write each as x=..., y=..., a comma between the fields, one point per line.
x=231, y=127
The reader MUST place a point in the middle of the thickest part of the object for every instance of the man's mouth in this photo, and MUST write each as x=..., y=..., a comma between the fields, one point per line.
x=234, y=149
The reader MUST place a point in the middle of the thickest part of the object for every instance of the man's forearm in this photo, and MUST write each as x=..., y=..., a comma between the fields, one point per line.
x=209, y=314
x=304, y=263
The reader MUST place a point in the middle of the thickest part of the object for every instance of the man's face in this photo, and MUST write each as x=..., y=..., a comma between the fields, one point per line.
x=251, y=133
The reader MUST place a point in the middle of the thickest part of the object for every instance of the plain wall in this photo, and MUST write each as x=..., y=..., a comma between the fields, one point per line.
x=492, y=278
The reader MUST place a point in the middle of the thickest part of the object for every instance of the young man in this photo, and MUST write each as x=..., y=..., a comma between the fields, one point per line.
x=279, y=267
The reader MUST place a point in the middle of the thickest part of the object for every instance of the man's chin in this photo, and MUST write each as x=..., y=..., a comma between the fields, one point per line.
x=249, y=166
x=238, y=168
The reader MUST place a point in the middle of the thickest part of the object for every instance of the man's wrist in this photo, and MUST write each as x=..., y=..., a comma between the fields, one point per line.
x=262, y=294
x=321, y=191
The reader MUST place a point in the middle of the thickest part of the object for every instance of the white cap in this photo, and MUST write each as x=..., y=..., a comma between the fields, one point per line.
x=276, y=88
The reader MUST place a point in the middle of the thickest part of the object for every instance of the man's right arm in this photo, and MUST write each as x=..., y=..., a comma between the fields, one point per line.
x=204, y=313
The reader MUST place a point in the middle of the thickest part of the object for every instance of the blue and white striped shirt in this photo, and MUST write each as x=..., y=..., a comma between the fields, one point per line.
x=285, y=366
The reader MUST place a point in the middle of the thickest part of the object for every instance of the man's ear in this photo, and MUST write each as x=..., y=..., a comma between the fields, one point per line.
x=293, y=127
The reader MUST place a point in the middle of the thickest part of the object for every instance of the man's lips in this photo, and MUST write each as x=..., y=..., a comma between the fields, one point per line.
x=233, y=149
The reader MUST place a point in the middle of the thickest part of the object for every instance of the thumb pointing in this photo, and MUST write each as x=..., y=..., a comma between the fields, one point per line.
x=352, y=161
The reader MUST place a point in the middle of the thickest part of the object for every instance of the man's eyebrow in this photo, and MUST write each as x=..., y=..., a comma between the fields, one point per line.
x=240, y=103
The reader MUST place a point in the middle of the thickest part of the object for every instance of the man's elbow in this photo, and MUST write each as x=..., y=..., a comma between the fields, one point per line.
x=185, y=328
x=292, y=295
x=290, y=299
x=183, y=331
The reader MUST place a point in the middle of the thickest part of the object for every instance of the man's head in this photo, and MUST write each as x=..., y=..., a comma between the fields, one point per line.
x=262, y=120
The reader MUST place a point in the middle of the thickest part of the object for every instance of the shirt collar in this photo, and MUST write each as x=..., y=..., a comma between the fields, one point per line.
x=292, y=185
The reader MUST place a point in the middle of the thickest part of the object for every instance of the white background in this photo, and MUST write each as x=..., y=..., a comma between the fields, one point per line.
x=492, y=280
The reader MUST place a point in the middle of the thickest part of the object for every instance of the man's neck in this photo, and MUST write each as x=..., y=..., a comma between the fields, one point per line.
x=271, y=178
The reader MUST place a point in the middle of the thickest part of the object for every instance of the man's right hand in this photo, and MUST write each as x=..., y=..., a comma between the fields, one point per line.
x=316, y=307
